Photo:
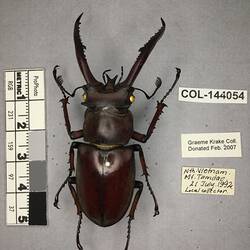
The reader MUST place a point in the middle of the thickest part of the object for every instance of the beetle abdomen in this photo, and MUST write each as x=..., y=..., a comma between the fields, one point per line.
x=105, y=182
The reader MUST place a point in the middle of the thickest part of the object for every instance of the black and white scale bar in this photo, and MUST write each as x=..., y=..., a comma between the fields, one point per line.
x=25, y=158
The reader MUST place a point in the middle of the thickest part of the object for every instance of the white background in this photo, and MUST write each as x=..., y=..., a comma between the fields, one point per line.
x=209, y=41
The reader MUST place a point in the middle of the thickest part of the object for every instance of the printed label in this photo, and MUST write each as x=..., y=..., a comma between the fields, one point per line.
x=9, y=86
x=212, y=95
x=36, y=84
x=216, y=181
x=211, y=145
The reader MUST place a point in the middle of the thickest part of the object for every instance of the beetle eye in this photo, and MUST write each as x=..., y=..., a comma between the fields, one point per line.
x=84, y=97
x=132, y=98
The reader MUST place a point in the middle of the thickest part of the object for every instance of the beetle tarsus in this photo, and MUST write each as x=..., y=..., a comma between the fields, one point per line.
x=153, y=195
x=128, y=232
x=78, y=232
x=56, y=203
x=60, y=189
x=139, y=185
x=156, y=213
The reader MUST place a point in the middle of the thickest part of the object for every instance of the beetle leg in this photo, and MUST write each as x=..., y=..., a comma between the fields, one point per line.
x=138, y=148
x=65, y=101
x=159, y=110
x=139, y=185
x=72, y=134
x=144, y=137
x=72, y=180
x=56, y=200
x=71, y=169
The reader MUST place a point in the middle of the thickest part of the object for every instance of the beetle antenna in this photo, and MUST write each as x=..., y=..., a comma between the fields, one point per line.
x=157, y=84
x=104, y=74
x=74, y=92
x=59, y=81
x=78, y=232
x=128, y=235
x=178, y=73
x=121, y=75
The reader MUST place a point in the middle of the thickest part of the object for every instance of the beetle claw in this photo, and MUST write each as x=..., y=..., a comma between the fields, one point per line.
x=156, y=213
x=56, y=205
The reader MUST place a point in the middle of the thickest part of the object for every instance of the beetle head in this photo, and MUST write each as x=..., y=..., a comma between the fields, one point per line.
x=109, y=92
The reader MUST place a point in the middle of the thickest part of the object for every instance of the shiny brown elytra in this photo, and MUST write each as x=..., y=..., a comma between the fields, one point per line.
x=104, y=178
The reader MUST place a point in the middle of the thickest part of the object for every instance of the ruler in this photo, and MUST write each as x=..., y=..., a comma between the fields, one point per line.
x=26, y=171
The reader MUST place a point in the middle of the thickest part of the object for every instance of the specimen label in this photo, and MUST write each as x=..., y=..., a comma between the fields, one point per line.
x=203, y=95
x=211, y=145
x=216, y=181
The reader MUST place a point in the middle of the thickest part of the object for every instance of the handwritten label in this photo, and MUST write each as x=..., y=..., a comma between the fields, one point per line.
x=216, y=181
x=211, y=145
x=202, y=95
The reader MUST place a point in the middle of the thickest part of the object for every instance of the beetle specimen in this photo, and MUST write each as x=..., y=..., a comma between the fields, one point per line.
x=105, y=164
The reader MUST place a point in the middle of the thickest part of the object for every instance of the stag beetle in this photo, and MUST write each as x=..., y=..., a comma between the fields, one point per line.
x=105, y=164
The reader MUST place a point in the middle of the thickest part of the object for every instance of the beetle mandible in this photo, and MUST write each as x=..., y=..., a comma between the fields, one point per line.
x=105, y=166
